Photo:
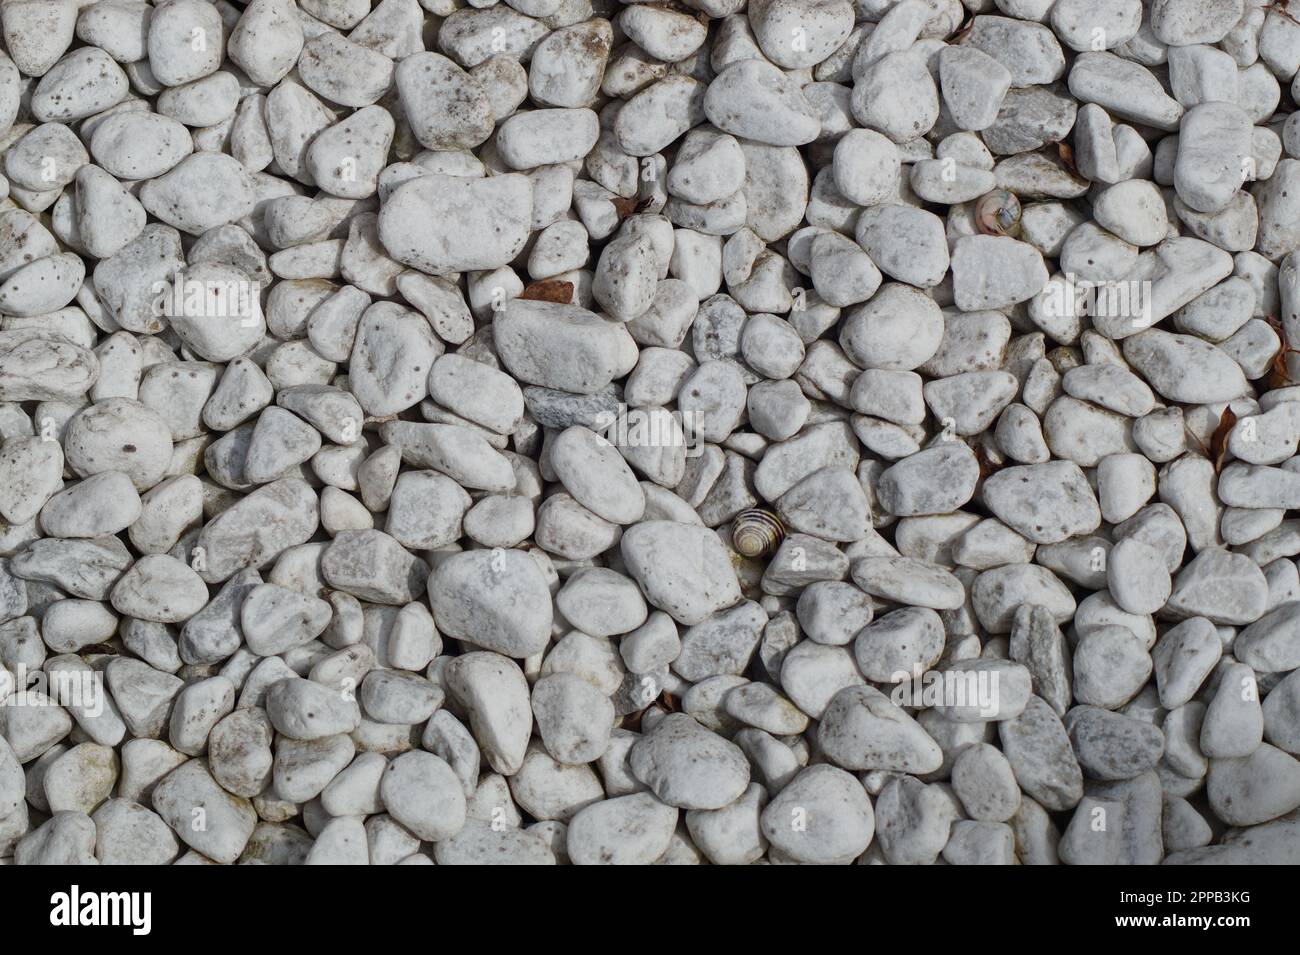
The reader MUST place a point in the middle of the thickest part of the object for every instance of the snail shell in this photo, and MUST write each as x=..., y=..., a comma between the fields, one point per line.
x=756, y=532
x=998, y=213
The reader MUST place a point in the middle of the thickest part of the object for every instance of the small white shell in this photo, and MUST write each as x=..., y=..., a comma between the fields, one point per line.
x=998, y=213
x=756, y=533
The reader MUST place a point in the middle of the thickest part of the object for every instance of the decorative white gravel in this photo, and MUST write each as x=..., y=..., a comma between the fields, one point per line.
x=561, y=431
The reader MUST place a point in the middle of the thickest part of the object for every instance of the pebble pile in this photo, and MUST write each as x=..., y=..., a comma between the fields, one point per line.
x=567, y=431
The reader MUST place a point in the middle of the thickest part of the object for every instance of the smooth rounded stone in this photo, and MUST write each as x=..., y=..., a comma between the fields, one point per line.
x=1182, y=24
x=1137, y=577
x=1041, y=756
x=422, y=793
x=159, y=588
x=756, y=101
x=391, y=357
x=573, y=718
x=550, y=790
x=66, y=838
x=101, y=504
x=566, y=528
x=983, y=780
x=990, y=272
x=545, y=136
x=47, y=157
x=595, y=474
x=865, y=166
x=906, y=244
x=758, y=705
x=999, y=592
x=733, y=834
x=306, y=710
x=1254, y=486
x=1234, y=722
x=257, y=528
x=1047, y=503
x=973, y=84
x=899, y=645
x=497, y=599
x=833, y=612
x=564, y=347
x=1183, y=657
x=239, y=751
x=806, y=506
x=601, y=602
x=1134, y=211
x=1110, y=666
x=197, y=709
x=1126, y=89
x=897, y=96
x=35, y=370
x=119, y=434
x=477, y=392
x=371, y=565
x=491, y=219
x=1248, y=790
x=303, y=768
x=822, y=817
x=980, y=843
x=682, y=569
x=1272, y=643
x=1214, y=141
x=480, y=843
x=31, y=472
x=722, y=644
x=862, y=730
x=633, y=829
x=189, y=793
x=446, y=107
x=1125, y=482
x=1110, y=387
x=568, y=64
x=33, y=723
x=463, y=454
x=898, y=329
x=81, y=778
x=499, y=521
x=1184, y=368
x=969, y=403
x=913, y=820
x=494, y=692
x=659, y=114
x=1111, y=745
x=908, y=581
x=652, y=645
x=426, y=510
x=127, y=833
x=688, y=766
x=275, y=619
x=1280, y=708
x=709, y=167
x=938, y=480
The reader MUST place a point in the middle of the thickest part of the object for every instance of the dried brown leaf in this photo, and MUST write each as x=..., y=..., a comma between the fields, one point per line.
x=1279, y=376
x=1066, y=152
x=987, y=467
x=1280, y=9
x=624, y=206
x=1219, y=441
x=549, y=290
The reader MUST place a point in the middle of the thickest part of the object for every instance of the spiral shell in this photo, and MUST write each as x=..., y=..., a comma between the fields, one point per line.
x=998, y=213
x=756, y=533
